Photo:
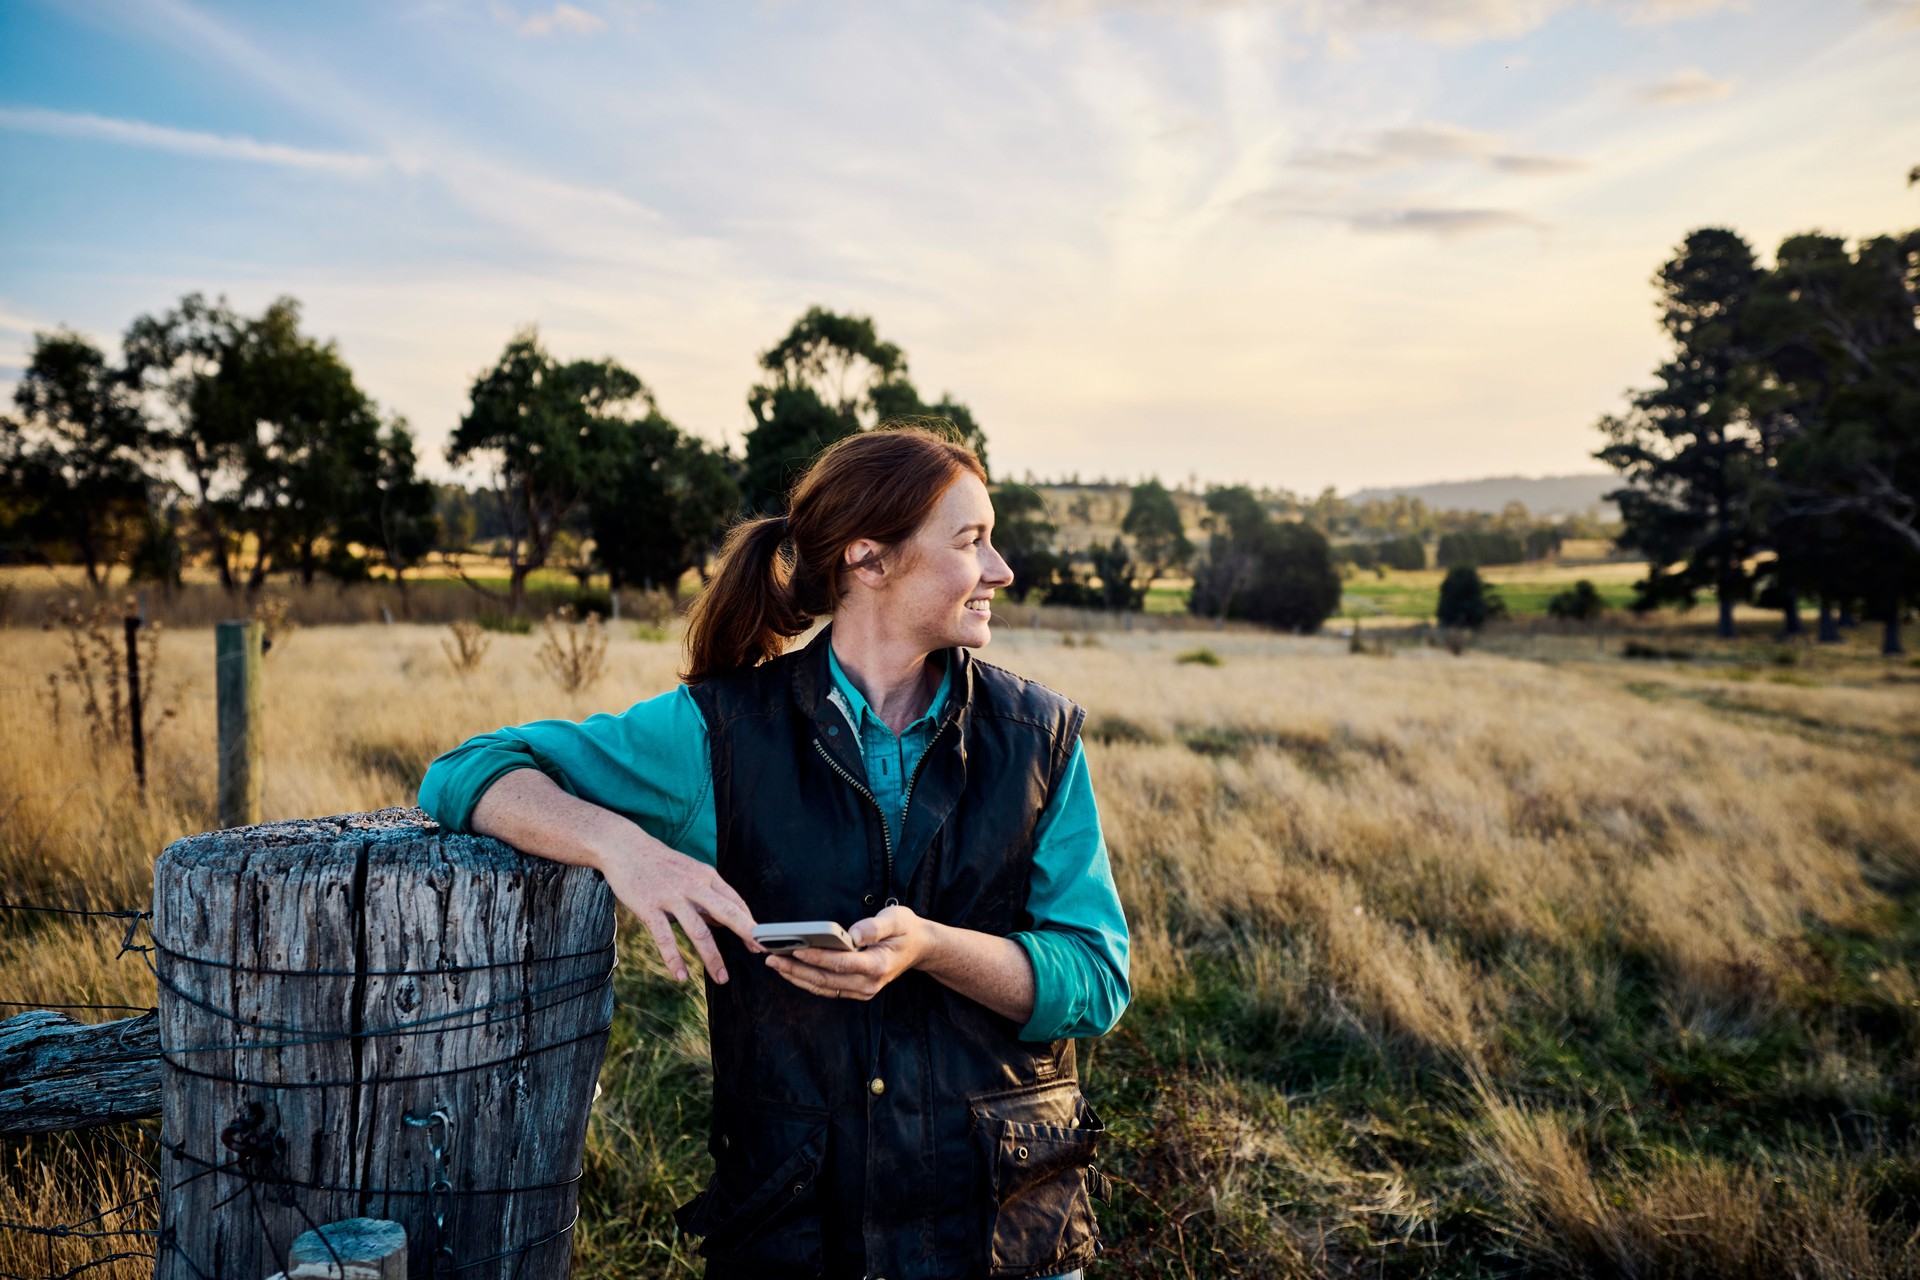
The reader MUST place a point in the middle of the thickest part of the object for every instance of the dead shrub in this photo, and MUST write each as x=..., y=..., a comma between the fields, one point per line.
x=466, y=648
x=574, y=652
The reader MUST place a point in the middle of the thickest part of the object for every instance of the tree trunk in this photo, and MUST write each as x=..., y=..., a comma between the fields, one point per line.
x=1790, y=619
x=1890, y=646
x=517, y=587
x=340, y=996
x=1829, y=628
x=1725, y=628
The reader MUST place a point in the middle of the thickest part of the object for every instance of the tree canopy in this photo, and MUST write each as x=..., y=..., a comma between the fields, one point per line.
x=1780, y=448
x=829, y=377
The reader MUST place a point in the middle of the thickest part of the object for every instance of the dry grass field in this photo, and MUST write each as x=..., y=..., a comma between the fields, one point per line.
x=1530, y=961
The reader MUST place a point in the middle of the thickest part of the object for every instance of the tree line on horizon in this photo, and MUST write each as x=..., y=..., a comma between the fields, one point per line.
x=244, y=443
x=1776, y=458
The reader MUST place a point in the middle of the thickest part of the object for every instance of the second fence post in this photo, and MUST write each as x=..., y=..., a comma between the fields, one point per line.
x=237, y=684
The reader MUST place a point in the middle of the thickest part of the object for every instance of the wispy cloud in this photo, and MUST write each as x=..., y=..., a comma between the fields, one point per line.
x=1414, y=145
x=1688, y=85
x=1654, y=12
x=1469, y=21
x=192, y=142
x=565, y=18
x=1447, y=224
x=1903, y=12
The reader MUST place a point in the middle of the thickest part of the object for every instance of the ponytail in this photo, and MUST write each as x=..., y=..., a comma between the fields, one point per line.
x=777, y=574
x=746, y=613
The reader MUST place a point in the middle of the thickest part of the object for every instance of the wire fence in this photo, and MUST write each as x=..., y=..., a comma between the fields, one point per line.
x=133, y=1219
x=251, y=1152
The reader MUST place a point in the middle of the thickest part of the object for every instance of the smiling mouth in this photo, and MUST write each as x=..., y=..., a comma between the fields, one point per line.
x=980, y=604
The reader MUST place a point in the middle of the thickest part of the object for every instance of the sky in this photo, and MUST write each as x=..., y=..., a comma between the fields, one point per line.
x=1295, y=243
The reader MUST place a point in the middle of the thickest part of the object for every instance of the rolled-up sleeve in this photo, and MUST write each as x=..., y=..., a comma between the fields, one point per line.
x=1078, y=945
x=648, y=763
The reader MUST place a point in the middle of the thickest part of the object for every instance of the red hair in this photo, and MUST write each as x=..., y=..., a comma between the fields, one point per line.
x=779, y=573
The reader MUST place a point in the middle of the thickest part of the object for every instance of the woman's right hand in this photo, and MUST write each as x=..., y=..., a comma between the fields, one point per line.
x=660, y=885
x=664, y=887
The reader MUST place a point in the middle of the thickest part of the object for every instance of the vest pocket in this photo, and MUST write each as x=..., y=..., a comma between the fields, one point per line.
x=1037, y=1146
x=763, y=1205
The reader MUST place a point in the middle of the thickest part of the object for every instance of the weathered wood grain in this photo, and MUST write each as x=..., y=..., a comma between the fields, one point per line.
x=357, y=1249
x=56, y=1073
x=407, y=971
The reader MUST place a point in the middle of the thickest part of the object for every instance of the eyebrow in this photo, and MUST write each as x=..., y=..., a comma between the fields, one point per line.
x=981, y=525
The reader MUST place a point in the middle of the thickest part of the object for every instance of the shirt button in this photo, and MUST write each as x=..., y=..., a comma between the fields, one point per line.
x=876, y=1086
x=867, y=902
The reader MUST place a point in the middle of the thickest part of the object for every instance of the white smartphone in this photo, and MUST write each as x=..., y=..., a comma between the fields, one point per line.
x=791, y=935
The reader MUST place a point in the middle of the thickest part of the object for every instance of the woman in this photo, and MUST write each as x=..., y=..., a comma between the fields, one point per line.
x=909, y=1110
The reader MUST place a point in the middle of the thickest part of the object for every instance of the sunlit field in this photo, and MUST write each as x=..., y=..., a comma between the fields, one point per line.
x=1532, y=960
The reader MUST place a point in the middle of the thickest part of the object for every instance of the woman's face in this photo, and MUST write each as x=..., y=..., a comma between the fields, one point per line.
x=942, y=579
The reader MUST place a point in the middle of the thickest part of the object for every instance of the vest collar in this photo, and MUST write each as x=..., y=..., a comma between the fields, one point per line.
x=813, y=687
x=938, y=789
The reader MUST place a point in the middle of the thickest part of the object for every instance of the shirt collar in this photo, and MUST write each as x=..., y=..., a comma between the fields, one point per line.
x=853, y=704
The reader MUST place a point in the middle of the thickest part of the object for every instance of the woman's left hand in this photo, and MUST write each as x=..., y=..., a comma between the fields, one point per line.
x=890, y=943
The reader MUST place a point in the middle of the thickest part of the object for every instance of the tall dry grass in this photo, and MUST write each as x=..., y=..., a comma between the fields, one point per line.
x=1442, y=964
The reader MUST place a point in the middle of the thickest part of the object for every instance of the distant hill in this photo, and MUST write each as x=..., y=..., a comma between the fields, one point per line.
x=1543, y=495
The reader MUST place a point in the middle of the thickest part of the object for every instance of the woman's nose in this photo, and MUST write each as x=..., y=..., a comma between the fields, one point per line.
x=999, y=574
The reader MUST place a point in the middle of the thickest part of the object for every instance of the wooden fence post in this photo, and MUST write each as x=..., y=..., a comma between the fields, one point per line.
x=237, y=682
x=365, y=1015
x=136, y=712
x=357, y=1249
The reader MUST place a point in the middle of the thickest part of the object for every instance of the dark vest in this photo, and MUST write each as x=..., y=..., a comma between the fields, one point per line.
x=913, y=1136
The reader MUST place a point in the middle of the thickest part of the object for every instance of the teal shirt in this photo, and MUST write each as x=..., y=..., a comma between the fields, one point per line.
x=650, y=763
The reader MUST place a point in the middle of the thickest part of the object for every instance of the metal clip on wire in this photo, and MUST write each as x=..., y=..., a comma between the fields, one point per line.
x=440, y=1190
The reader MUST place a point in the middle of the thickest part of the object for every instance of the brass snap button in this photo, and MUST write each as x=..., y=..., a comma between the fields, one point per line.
x=1021, y=1152
x=798, y=1187
x=876, y=1086
x=867, y=902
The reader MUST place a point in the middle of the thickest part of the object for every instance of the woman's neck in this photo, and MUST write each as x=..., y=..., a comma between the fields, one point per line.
x=892, y=674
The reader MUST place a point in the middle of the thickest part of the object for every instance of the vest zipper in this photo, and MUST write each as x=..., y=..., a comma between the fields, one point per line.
x=886, y=833
x=906, y=800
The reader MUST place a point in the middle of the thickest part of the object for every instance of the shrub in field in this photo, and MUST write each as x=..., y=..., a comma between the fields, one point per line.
x=467, y=646
x=1579, y=603
x=1277, y=572
x=1470, y=547
x=1202, y=657
x=1406, y=552
x=574, y=652
x=95, y=672
x=1467, y=601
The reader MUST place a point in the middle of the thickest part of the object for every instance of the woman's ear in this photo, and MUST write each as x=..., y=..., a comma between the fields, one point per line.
x=865, y=560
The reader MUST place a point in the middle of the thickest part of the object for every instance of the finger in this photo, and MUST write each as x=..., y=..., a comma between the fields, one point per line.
x=669, y=949
x=806, y=983
x=839, y=961
x=890, y=923
x=695, y=927
x=723, y=906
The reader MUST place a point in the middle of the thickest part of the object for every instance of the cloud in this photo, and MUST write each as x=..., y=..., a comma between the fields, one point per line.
x=562, y=17
x=1426, y=144
x=1447, y=224
x=1647, y=13
x=1688, y=85
x=1535, y=166
x=158, y=137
